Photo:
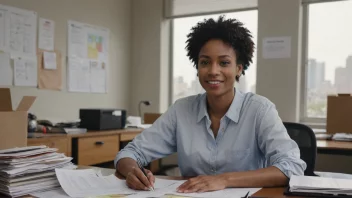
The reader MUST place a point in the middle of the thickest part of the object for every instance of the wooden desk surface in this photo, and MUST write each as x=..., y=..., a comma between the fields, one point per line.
x=90, y=133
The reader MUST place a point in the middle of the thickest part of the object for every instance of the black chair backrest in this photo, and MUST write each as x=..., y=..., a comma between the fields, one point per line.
x=307, y=143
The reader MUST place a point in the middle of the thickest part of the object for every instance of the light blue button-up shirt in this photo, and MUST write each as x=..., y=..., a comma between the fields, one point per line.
x=251, y=136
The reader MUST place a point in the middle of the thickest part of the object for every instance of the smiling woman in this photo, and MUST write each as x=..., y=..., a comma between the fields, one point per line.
x=224, y=137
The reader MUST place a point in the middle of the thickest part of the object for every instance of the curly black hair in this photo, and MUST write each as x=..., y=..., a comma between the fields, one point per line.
x=230, y=31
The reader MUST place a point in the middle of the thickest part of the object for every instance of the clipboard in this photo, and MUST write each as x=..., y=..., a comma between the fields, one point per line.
x=305, y=194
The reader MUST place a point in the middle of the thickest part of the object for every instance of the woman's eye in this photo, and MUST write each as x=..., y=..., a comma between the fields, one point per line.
x=204, y=62
x=224, y=63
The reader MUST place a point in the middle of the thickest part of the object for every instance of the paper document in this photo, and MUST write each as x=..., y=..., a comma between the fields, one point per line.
x=46, y=34
x=320, y=185
x=78, y=75
x=77, y=40
x=3, y=28
x=84, y=183
x=54, y=193
x=342, y=137
x=26, y=72
x=226, y=193
x=98, y=77
x=21, y=149
x=6, y=74
x=87, y=41
x=276, y=47
x=23, y=29
x=28, y=151
x=49, y=60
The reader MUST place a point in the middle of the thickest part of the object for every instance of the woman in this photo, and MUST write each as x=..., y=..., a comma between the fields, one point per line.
x=233, y=139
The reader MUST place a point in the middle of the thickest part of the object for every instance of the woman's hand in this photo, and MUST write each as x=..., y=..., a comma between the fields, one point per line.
x=203, y=184
x=137, y=180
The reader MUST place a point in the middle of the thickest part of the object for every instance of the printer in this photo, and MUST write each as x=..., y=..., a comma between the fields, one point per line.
x=102, y=119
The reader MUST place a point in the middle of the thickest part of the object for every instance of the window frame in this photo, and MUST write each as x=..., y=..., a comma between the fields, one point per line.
x=312, y=121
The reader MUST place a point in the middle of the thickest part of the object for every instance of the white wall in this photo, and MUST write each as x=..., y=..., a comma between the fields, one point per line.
x=149, y=72
x=112, y=14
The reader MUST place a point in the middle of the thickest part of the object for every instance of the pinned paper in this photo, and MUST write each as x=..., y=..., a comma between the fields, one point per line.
x=6, y=74
x=46, y=34
x=25, y=72
x=277, y=47
x=50, y=60
x=49, y=78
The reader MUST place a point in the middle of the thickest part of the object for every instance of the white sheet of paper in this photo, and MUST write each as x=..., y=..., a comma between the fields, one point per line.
x=84, y=183
x=49, y=60
x=277, y=47
x=55, y=193
x=78, y=75
x=6, y=73
x=98, y=77
x=77, y=40
x=3, y=28
x=23, y=29
x=25, y=72
x=226, y=193
x=46, y=34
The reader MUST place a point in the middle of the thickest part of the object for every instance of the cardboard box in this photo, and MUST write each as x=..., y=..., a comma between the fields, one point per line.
x=13, y=124
x=339, y=114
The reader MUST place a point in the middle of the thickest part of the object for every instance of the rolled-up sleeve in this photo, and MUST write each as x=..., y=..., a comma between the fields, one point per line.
x=153, y=143
x=273, y=140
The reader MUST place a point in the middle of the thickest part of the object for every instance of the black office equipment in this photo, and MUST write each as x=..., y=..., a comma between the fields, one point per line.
x=102, y=119
x=307, y=143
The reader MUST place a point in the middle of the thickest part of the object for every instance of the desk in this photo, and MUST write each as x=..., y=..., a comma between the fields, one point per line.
x=88, y=148
x=264, y=192
x=334, y=147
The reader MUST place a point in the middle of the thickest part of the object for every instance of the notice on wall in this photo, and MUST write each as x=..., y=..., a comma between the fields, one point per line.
x=87, y=41
x=88, y=57
x=25, y=72
x=276, y=47
x=46, y=34
x=6, y=74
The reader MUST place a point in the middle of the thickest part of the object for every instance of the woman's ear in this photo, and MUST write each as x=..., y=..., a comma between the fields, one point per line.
x=239, y=70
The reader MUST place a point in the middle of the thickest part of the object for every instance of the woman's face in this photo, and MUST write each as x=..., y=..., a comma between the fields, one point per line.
x=217, y=68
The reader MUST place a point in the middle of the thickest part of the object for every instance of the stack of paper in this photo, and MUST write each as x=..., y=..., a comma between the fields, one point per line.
x=342, y=137
x=29, y=169
x=321, y=185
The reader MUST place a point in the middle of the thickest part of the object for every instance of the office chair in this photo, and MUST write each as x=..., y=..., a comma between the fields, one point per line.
x=305, y=138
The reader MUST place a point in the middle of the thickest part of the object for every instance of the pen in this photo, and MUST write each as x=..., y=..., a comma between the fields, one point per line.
x=145, y=174
x=246, y=195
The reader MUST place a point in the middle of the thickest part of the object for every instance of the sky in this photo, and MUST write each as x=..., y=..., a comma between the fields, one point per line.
x=329, y=38
x=330, y=34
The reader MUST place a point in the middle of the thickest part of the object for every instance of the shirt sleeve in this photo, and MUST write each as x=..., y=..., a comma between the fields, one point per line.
x=153, y=143
x=273, y=140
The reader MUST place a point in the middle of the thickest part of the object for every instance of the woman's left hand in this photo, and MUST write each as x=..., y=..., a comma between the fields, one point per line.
x=203, y=184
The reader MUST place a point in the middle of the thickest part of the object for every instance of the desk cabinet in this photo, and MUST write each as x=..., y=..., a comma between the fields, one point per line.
x=93, y=147
x=60, y=143
x=95, y=150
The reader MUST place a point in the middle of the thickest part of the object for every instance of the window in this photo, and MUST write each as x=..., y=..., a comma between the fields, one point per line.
x=328, y=68
x=185, y=81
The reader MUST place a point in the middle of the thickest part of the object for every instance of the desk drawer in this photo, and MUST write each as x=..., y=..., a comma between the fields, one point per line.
x=98, y=149
x=61, y=143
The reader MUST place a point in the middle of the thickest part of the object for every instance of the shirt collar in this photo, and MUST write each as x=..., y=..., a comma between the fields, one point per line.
x=233, y=113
